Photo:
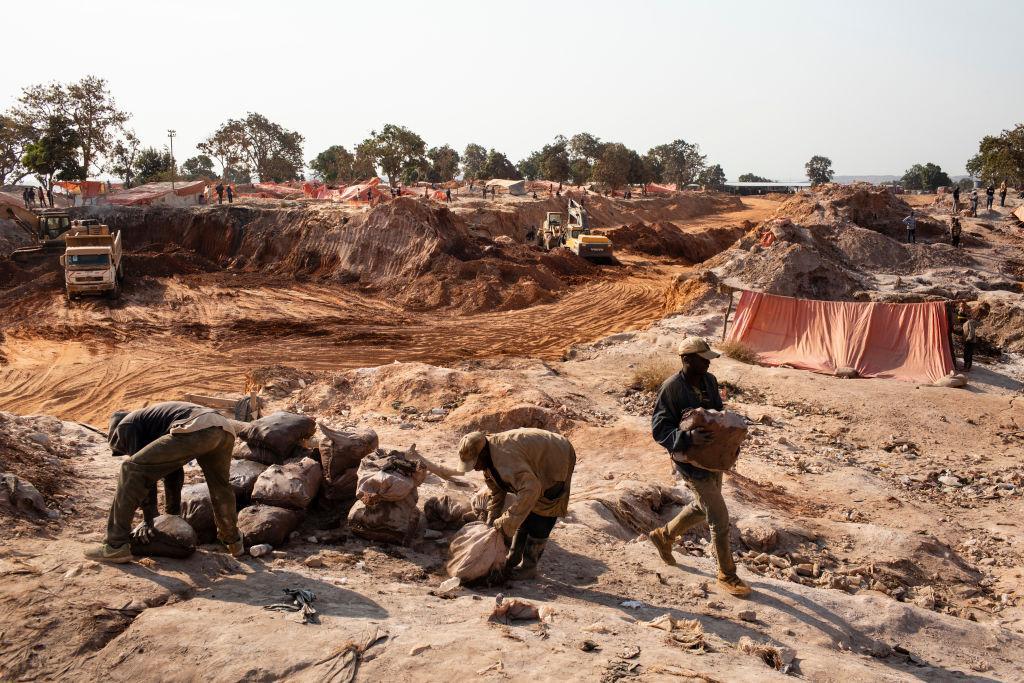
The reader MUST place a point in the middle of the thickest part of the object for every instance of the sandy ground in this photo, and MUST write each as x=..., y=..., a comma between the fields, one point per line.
x=194, y=333
x=881, y=570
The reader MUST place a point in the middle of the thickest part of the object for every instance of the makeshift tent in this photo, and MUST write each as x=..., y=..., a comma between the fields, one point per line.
x=908, y=342
x=508, y=186
x=182, y=194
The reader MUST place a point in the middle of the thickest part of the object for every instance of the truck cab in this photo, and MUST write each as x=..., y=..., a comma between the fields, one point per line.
x=92, y=260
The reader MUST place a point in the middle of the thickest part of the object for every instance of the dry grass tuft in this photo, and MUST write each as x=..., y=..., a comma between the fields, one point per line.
x=650, y=374
x=738, y=351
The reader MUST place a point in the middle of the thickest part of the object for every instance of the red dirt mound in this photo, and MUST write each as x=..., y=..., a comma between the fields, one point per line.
x=666, y=239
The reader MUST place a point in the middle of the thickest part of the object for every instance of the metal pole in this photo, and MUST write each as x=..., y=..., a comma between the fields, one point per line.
x=174, y=167
x=725, y=322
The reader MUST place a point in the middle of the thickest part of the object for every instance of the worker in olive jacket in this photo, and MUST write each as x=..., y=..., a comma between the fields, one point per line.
x=537, y=466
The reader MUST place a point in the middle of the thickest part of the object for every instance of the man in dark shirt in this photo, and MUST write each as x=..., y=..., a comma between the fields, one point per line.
x=956, y=198
x=160, y=439
x=694, y=387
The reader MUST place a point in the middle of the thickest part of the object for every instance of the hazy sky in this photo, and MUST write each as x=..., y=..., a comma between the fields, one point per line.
x=761, y=86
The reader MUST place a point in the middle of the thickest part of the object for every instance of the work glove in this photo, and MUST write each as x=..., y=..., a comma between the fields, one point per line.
x=700, y=436
x=504, y=525
x=143, y=533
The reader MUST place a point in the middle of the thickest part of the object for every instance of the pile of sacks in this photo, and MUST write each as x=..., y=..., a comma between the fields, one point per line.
x=278, y=470
x=387, y=483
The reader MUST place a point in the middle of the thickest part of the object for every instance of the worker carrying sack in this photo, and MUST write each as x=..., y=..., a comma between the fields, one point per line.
x=476, y=551
x=729, y=429
x=278, y=433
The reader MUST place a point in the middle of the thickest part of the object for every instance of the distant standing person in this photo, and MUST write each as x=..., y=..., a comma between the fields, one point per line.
x=970, y=339
x=220, y=192
x=448, y=195
x=955, y=230
x=1002, y=194
x=974, y=203
x=24, y=198
x=956, y=198
x=911, y=223
x=990, y=196
x=231, y=194
x=32, y=196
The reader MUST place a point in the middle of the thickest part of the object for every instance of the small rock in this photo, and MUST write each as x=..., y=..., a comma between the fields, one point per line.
x=747, y=615
x=312, y=539
x=39, y=438
x=758, y=534
x=449, y=585
x=314, y=561
x=805, y=569
x=588, y=646
x=631, y=604
x=261, y=550
x=950, y=480
x=780, y=562
x=419, y=649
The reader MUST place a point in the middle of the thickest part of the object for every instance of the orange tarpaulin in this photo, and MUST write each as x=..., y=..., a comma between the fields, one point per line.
x=908, y=342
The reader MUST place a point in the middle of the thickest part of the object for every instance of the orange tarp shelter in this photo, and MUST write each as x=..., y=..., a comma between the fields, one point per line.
x=908, y=342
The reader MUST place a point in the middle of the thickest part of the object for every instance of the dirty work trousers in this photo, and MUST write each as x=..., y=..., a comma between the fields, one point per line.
x=210, y=447
x=709, y=506
x=968, y=355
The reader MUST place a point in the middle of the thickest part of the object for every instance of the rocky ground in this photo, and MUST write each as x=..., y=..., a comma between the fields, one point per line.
x=879, y=523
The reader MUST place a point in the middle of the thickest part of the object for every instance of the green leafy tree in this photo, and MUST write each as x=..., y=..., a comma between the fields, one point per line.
x=585, y=146
x=712, y=177
x=819, y=170
x=334, y=164
x=124, y=156
x=363, y=167
x=89, y=107
x=677, y=162
x=257, y=145
x=54, y=156
x=199, y=167
x=965, y=184
x=925, y=177
x=529, y=167
x=580, y=172
x=751, y=178
x=396, y=148
x=613, y=166
x=1000, y=157
x=15, y=136
x=444, y=164
x=498, y=166
x=474, y=157
x=153, y=166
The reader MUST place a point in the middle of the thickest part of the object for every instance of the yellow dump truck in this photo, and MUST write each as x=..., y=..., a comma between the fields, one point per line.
x=92, y=260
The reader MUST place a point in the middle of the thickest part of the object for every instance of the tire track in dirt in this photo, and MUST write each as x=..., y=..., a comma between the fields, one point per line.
x=173, y=336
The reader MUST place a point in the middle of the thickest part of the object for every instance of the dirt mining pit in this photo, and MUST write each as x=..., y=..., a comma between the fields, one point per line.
x=212, y=292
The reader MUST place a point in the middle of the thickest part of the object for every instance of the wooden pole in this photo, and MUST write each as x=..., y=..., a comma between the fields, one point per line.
x=725, y=322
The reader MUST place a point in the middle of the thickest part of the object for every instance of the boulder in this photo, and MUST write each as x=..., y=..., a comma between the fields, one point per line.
x=758, y=534
x=268, y=524
x=729, y=430
x=293, y=485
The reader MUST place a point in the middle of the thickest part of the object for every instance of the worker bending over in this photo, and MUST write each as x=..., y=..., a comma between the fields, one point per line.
x=537, y=466
x=694, y=387
x=160, y=440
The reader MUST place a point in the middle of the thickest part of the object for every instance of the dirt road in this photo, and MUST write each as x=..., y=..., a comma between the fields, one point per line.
x=196, y=334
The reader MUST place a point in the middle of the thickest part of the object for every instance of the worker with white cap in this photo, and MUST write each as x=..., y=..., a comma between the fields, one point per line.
x=537, y=466
x=690, y=388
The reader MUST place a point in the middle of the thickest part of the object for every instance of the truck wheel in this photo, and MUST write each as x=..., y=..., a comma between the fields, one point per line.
x=115, y=293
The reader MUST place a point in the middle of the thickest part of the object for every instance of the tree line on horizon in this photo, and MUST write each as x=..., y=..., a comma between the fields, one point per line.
x=69, y=131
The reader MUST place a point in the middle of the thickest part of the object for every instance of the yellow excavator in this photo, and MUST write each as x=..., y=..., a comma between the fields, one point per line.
x=574, y=235
x=45, y=228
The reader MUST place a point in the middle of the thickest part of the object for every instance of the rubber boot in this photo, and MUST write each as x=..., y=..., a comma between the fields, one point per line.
x=728, y=580
x=663, y=542
x=516, y=550
x=531, y=556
